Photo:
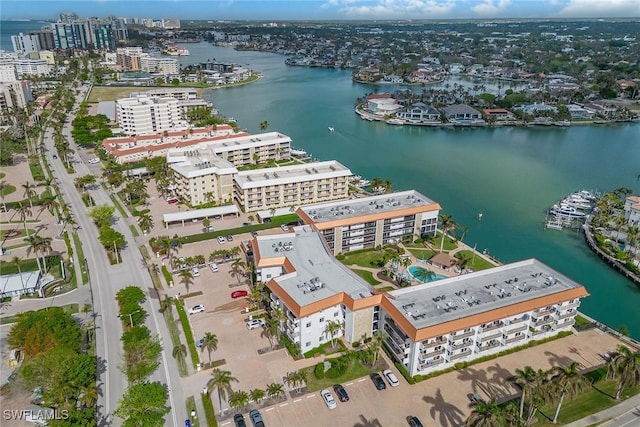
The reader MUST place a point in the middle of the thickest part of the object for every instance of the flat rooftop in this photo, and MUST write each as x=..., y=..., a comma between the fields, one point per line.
x=324, y=212
x=450, y=299
x=317, y=274
x=291, y=174
x=200, y=162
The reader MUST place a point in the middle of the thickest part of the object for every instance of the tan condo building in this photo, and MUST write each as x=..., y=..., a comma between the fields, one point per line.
x=368, y=222
x=427, y=327
x=144, y=115
x=287, y=186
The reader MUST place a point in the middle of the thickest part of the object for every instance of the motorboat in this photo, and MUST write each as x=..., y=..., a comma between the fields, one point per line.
x=297, y=152
x=577, y=202
x=395, y=121
x=566, y=210
x=331, y=129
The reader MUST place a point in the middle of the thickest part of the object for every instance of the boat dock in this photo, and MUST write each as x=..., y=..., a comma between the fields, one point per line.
x=571, y=211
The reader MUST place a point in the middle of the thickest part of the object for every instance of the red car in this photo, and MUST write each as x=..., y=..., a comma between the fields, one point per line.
x=239, y=294
x=172, y=201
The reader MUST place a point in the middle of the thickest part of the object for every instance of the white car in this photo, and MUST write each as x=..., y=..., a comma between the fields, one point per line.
x=328, y=399
x=199, y=308
x=221, y=240
x=284, y=227
x=94, y=160
x=391, y=378
x=195, y=272
x=255, y=323
x=214, y=267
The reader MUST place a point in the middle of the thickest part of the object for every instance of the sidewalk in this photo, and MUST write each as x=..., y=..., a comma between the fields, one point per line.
x=609, y=414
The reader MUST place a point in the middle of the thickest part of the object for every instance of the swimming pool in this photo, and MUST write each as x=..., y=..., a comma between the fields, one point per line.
x=415, y=272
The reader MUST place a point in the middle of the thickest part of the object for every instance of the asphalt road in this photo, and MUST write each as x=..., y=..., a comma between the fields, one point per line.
x=628, y=419
x=106, y=280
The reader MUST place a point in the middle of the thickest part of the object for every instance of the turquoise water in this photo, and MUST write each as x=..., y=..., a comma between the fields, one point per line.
x=511, y=175
x=413, y=270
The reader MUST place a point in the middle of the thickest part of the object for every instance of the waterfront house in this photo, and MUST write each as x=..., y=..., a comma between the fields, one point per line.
x=460, y=113
x=382, y=104
x=419, y=113
x=632, y=210
x=498, y=114
x=579, y=112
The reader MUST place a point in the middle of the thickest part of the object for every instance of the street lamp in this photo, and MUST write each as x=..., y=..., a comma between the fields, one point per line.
x=130, y=316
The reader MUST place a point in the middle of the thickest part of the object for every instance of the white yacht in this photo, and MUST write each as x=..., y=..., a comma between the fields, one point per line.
x=331, y=129
x=564, y=209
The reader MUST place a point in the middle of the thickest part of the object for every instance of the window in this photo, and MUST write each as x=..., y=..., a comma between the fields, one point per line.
x=309, y=325
x=335, y=314
x=308, y=344
x=321, y=319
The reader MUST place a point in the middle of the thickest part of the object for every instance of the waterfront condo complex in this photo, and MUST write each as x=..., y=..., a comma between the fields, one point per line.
x=372, y=221
x=427, y=327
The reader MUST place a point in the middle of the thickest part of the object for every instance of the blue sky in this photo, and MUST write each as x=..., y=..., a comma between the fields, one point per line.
x=322, y=9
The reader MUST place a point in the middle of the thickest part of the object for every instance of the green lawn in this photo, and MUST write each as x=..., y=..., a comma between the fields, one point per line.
x=191, y=406
x=422, y=253
x=7, y=189
x=186, y=328
x=365, y=258
x=589, y=402
x=368, y=276
x=356, y=370
x=478, y=263
x=80, y=254
x=581, y=321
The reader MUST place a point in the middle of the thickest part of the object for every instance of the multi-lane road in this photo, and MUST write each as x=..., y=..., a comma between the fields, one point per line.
x=106, y=280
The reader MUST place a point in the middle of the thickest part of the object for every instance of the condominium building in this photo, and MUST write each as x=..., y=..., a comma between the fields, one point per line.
x=162, y=66
x=179, y=93
x=427, y=327
x=372, y=221
x=197, y=166
x=32, y=67
x=25, y=44
x=273, y=188
x=144, y=115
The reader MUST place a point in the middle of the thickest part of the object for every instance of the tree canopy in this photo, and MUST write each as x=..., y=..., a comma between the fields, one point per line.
x=38, y=331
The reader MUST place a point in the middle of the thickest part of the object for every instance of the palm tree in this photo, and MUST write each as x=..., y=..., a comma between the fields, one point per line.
x=145, y=221
x=238, y=399
x=524, y=378
x=264, y=125
x=179, y=351
x=625, y=368
x=44, y=247
x=485, y=414
x=257, y=395
x=237, y=269
x=424, y=274
x=568, y=382
x=24, y=211
x=275, y=390
x=222, y=381
x=165, y=303
x=47, y=203
x=16, y=260
x=376, y=344
x=88, y=396
x=29, y=192
x=331, y=328
x=210, y=343
x=271, y=332
x=186, y=277
x=446, y=224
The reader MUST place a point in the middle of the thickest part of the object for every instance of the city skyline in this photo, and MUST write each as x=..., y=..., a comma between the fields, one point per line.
x=326, y=9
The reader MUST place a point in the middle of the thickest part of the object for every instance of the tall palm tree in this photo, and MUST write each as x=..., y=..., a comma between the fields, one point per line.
x=186, y=278
x=446, y=224
x=165, y=303
x=332, y=327
x=624, y=367
x=237, y=269
x=524, y=378
x=48, y=203
x=485, y=414
x=210, y=343
x=16, y=261
x=222, y=381
x=568, y=382
x=179, y=351
x=29, y=192
x=24, y=211
x=34, y=247
x=145, y=221
x=379, y=337
x=44, y=247
x=88, y=396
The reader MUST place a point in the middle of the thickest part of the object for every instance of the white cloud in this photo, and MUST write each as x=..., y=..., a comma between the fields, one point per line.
x=600, y=8
x=393, y=9
x=491, y=7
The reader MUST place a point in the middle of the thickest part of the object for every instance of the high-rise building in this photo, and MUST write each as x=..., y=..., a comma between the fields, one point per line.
x=25, y=43
x=45, y=38
x=144, y=115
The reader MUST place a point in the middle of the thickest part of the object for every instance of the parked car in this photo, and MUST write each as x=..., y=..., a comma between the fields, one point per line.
x=221, y=240
x=284, y=227
x=238, y=419
x=94, y=160
x=254, y=233
x=256, y=418
x=172, y=201
x=255, y=323
x=342, y=394
x=198, y=308
x=195, y=271
x=246, y=224
x=214, y=267
x=229, y=238
x=378, y=381
x=414, y=421
x=54, y=156
x=239, y=294
x=328, y=399
x=200, y=342
x=391, y=378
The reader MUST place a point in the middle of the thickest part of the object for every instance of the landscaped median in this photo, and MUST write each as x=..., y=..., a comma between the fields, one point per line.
x=186, y=328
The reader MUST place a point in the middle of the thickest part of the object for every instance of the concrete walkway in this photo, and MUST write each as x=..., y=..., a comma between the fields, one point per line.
x=611, y=413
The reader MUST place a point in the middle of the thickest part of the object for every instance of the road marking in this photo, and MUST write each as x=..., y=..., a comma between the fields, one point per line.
x=268, y=409
x=310, y=396
x=297, y=400
x=362, y=379
x=225, y=423
x=351, y=383
x=284, y=404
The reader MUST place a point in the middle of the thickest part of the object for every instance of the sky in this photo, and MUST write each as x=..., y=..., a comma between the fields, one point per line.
x=274, y=10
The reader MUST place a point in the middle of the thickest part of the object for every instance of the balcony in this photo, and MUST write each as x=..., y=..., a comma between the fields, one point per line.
x=489, y=347
x=426, y=355
x=431, y=363
x=459, y=335
x=542, y=313
x=516, y=329
x=459, y=355
x=490, y=337
x=437, y=341
x=566, y=324
x=535, y=332
x=565, y=315
x=459, y=345
x=572, y=305
x=492, y=326
x=515, y=321
x=541, y=322
x=514, y=339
